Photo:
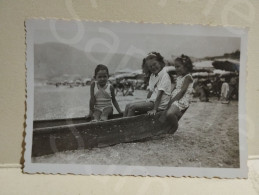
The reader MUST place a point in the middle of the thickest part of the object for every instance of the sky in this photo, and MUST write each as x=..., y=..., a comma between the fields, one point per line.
x=138, y=39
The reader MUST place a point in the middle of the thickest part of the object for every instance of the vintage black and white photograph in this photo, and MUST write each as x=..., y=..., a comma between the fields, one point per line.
x=135, y=99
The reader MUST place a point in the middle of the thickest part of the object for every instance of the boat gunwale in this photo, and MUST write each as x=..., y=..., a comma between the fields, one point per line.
x=59, y=127
x=63, y=119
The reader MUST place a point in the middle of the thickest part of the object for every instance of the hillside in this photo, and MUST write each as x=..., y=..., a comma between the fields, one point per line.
x=61, y=61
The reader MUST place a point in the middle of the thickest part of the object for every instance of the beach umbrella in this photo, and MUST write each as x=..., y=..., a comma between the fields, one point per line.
x=196, y=74
x=203, y=74
x=125, y=75
x=226, y=64
x=112, y=79
x=171, y=69
x=200, y=69
x=228, y=74
x=200, y=74
x=139, y=71
x=199, y=66
x=78, y=81
x=203, y=64
x=87, y=80
x=211, y=74
x=126, y=70
x=223, y=73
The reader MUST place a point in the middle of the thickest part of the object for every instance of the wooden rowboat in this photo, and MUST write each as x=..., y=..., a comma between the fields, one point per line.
x=51, y=136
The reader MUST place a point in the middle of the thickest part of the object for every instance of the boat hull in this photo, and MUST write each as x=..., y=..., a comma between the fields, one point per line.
x=75, y=134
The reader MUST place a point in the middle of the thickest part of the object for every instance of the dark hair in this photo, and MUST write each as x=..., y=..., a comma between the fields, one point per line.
x=186, y=61
x=100, y=67
x=152, y=55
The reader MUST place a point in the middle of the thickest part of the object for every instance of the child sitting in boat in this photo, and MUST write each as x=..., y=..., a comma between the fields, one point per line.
x=159, y=88
x=181, y=95
x=102, y=95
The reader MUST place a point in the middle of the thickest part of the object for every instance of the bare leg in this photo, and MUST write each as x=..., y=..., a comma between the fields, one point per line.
x=106, y=113
x=224, y=91
x=171, y=122
x=139, y=106
x=97, y=115
x=127, y=91
x=126, y=110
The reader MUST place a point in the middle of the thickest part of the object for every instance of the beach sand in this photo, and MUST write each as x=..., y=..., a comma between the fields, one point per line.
x=207, y=137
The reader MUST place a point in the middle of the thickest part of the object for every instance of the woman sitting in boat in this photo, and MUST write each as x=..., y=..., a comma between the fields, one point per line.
x=181, y=95
x=102, y=95
x=159, y=88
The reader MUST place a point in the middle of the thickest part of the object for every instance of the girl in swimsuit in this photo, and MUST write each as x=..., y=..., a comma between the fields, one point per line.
x=102, y=95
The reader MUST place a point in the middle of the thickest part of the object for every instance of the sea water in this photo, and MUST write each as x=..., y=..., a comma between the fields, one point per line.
x=51, y=102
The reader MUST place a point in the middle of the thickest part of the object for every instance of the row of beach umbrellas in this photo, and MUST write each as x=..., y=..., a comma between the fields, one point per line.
x=207, y=68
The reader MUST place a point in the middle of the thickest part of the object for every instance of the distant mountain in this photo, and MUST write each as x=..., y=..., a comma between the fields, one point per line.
x=234, y=55
x=60, y=61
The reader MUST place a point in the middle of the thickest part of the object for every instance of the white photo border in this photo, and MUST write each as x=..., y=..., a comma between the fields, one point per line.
x=198, y=30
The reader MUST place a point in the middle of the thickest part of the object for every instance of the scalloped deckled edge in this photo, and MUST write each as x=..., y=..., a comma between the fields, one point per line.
x=138, y=22
x=130, y=170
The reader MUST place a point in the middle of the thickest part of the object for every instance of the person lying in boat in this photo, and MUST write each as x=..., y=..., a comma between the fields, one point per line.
x=102, y=95
x=181, y=95
x=159, y=88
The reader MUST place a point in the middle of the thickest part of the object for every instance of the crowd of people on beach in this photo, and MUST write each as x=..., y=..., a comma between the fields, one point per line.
x=224, y=89
x=124, y=86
